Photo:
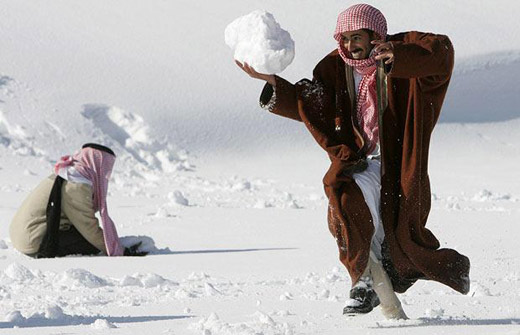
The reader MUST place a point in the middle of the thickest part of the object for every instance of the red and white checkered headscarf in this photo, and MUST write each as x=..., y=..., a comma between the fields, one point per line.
x=96, y=166
x=357, y=17
x=361, y=16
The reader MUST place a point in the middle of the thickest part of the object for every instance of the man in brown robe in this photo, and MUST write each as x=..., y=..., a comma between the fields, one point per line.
x=372, y=106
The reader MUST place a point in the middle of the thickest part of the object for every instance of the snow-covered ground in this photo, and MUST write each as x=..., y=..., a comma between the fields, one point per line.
x=231, y=195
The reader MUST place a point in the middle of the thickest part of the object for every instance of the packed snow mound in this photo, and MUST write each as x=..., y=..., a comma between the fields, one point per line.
x=80, y=278
x=132, y=134
x=257, y=39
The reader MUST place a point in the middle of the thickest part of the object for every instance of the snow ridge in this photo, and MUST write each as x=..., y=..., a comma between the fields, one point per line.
x=130, y=132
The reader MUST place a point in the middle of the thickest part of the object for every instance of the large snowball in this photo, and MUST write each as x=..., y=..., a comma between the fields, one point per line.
x=258, y=40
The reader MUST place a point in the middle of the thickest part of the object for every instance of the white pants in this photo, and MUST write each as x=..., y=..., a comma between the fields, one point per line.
x=390, y=304
x=369, y=181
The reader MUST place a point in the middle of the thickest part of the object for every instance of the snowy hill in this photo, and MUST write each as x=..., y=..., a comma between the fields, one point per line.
x=167, y=62
x=221, y=185
x=483, y=89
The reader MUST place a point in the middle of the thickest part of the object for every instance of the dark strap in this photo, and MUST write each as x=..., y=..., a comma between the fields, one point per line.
x=50, y=242
x=351, y=87
x=98, y=147
x=382, y=104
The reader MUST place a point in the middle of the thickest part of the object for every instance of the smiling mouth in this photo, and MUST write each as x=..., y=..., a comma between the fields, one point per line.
x=356, y=53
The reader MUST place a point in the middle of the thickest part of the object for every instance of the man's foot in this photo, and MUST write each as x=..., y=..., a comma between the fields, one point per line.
x=362, y=300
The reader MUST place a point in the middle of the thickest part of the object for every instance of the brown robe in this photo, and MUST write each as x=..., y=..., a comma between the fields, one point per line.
x=410, y=95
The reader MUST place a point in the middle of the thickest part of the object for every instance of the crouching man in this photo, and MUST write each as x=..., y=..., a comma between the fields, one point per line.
x=58, y=217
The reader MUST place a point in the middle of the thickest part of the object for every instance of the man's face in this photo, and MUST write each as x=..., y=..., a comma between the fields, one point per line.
x=357, y=43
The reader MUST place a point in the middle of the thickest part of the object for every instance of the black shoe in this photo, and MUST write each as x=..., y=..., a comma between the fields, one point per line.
x=362, y=300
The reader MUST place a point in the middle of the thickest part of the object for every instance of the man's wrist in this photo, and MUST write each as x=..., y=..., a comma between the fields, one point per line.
x=271, y=80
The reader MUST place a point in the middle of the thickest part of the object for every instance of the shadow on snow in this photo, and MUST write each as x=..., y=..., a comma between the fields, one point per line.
x=216, y=251
x=69, y=320
x=426, y=322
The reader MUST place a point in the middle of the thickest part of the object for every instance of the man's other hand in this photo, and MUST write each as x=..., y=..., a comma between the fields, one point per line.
x=384, y=50
x=133, y=250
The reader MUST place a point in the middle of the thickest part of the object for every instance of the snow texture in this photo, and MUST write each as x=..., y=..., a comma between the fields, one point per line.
x=258, y=40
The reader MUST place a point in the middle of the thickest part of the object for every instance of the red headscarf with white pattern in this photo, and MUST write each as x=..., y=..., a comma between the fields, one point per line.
x=356, y=17
x=96, y=166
